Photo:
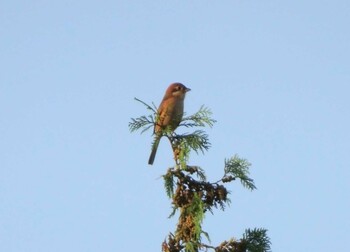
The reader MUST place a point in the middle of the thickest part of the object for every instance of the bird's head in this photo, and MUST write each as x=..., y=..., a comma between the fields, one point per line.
x=177, y=90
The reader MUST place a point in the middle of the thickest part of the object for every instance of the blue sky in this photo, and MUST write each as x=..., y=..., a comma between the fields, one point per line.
x=274, y=73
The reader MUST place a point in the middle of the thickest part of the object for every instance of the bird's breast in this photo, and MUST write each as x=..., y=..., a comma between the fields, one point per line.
x=170, y=113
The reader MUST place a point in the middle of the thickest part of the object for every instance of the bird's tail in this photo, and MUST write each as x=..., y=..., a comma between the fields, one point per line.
x=154, y=150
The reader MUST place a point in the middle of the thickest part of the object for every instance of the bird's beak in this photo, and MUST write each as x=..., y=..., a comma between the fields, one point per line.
x=188, y=89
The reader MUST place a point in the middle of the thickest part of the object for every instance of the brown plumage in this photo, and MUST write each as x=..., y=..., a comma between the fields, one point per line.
x=170, y=112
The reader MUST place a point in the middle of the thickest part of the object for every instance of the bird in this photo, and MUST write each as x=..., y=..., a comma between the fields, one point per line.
x=169, y=113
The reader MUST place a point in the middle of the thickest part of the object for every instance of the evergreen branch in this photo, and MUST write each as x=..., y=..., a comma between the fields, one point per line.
x=184, y=152
x=197, y=141
x=201, y=175
x=238, y=168
x=197, y=170
x=222, y=205
x=256, y=240
x=143, y=122
x=193, y=213
x=190, y=247
x=206, y=235
x=199, y=119
x=173, y=212
x=206, y=246
x=154, y=108
x=229, y=246
x=169, y=184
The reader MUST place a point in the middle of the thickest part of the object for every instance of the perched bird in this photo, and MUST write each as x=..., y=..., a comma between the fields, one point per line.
x=170, y=112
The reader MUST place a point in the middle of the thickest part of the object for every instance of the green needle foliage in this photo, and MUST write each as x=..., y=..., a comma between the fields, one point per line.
x=192, y=196
x=236, y=167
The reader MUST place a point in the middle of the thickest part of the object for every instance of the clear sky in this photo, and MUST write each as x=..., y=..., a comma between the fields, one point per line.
x=276, y=75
